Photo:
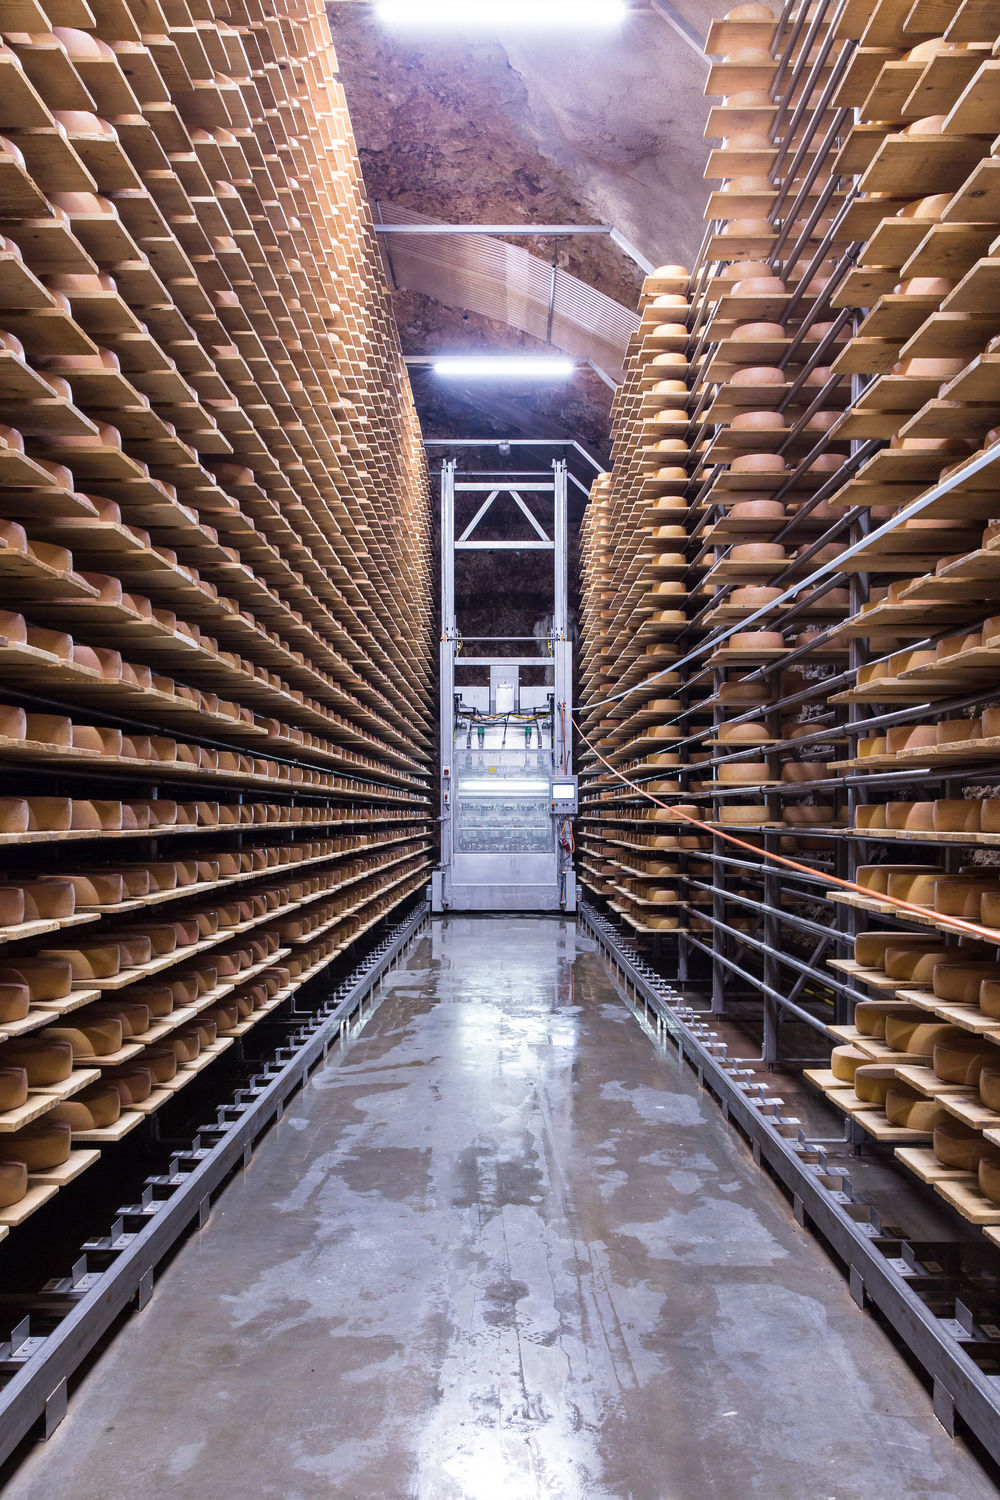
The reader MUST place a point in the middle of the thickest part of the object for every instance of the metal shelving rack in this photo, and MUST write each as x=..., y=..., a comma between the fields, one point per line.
x=756, y=948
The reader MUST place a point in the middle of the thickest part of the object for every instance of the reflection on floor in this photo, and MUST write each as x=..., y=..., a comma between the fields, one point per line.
x=503, y=1249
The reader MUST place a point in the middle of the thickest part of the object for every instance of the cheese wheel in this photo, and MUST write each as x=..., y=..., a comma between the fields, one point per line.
x=844, y=1060
x=132, y=1013
x=869, y=1018
x=88, y=1038
x=956, y=1145
x=13, y=1182
x=988, y=1174
x=989, y=908
x=15, y=1002
x=870, y=947
x=959, y=1059
x=989, y=1082
x=963, y=897
x=43, y=1144
x=89, y=963
x=13, y=1087
x=957, y=815
x=917, y=815
x=186, y=1046
x=914, y=1032
x=132, y=1082
x=872, y=1081
x=905, y=1107
x=756, y=640
x=758, y=375
x=752, y=332
x=46, y=1060
x=989, y=998
x=93, y=1109
x=759, y=463
x=161, y=1062
x=750, y=733
x=748, y=816
x=915, y=965
x=960, y=983
x=877, y=877
x=226, y=1015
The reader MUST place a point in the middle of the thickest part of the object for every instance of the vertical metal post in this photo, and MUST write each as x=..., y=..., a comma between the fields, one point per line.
x=449, y=628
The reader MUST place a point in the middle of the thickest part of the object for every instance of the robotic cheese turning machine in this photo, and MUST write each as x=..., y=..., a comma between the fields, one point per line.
x=508, y=793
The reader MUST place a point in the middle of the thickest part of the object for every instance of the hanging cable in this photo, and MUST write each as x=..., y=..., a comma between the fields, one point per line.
x=954, y=924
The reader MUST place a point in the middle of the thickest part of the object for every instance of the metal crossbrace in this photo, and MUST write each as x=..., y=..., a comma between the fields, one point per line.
x=87, y=1302
x=879, y=1261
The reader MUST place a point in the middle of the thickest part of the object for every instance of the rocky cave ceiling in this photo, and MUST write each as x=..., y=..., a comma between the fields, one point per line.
x=537, y=129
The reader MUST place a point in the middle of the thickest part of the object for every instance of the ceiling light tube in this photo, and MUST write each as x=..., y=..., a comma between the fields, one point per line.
x=467, y=14
x=503, y=367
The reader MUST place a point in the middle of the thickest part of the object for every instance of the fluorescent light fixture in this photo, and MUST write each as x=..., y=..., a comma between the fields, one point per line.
x=503, y=367
x=468, y=14
x=499, y=788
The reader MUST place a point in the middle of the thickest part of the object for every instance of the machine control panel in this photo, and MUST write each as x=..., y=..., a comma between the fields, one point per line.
x=563, y=792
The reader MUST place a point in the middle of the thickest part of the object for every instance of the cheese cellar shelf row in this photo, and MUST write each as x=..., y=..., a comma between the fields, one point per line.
x=214, y=558
x=790, y=603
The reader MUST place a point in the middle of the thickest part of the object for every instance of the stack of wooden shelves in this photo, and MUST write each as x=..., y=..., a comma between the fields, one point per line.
x=214, y=553
x=845, y=630
x=637, y=589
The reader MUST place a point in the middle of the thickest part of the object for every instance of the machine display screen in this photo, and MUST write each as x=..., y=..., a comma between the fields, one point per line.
x=563, y=791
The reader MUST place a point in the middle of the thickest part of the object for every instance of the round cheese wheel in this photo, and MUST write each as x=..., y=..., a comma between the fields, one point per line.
x=959, y=1059
x=89, y=1038
x=845, y=1060
x=957, y=815
x=756, y=640
x=872, y=1081
x=870, y=947
x=819, y=815
x=913, y=1032
x=915, y=965
x=989, y=1082
x=43, y=1144
x=752, y=596
x=960, y=983
x=988, y=1174
x=751, y=733
x=929, y=125
x=15, y=1002
x=13, y=1182
x=955, y=1145
x=989, y=908
x=748, y=816
x=904, y=1106
x=759, y=463
x=758, y=421
x=132, y=1082
x=768, y=552
x=753, y=332
x=133, y=1014
x=93, y=1109
x=989, y=998
x=161, y=1062
x=13, y=1087
x=46, y=1060
x=186, y=1046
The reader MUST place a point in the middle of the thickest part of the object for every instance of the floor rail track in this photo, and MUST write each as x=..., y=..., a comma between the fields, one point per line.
x=820, y=1194
x=145, y=1232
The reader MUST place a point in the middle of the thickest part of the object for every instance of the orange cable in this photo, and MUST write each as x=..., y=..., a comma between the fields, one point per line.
x=958, y=924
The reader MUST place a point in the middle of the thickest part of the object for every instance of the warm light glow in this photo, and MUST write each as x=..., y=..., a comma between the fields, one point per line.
x=503, y=367
x=466, y=14
x=500, y=788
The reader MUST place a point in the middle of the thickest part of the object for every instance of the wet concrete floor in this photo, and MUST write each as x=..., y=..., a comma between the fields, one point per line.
x=502, y=1250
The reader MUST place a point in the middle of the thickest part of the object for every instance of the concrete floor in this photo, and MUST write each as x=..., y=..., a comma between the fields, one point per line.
x=504, y=1250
